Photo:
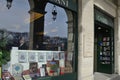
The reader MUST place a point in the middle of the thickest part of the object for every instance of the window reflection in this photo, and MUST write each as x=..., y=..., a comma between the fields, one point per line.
x=14, y=23
x=54, y=39
x=55, y=31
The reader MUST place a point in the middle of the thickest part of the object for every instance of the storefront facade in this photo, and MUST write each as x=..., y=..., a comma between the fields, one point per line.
x=49, y=46
x=38, y=33
x=97, y=20
x=103, y=43
x=89, y=39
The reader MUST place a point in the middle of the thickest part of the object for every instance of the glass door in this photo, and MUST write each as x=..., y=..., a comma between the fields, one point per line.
x=104, y=49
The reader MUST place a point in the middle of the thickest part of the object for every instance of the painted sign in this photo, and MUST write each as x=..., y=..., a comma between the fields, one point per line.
x=70, y=4
x=61, y=2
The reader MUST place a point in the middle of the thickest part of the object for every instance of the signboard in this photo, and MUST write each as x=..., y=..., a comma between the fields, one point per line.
x=103, y=18
x=70, y=4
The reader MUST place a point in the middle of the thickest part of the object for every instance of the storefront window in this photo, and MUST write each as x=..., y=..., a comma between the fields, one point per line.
x=14, y=24
x=44, y=36
x=55, y=36
x=55, y=31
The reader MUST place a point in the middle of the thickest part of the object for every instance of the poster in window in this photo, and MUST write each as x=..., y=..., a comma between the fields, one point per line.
x=105, y=38
x=101, y=53
x=108, y=38
x=105, y=49
x=31, y=57
x=42, y=71
x=56, y=55
x=70, y=56
x=108, y=53
x=22, y=57
x=17, y=69
x=41, y=57
x=49, y=56
x=104, y=53
x=108, y=43
x=104, y=43
x=62, y=55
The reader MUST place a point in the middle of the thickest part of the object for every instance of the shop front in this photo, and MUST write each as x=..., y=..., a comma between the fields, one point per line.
x=59, y=33
x=48, y=50
x=104, y=43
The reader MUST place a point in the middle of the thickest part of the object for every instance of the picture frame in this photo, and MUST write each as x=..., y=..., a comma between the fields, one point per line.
x=104, y=43
x=49, y=56
x=62, y=55
x=22, y=57
x=56, y=55
x=108, y=38
x=108, y=53
x=104, y=53
x=101, y=53
x=70, y=56
x=33, y=66
x=104, y=38
x=108, y=43
x=32, y=56
x=42, y=71
x=41, y=57
x=17, y=69
x=104, y=49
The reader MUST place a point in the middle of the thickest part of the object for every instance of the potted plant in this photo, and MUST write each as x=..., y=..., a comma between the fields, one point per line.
x=4, y=53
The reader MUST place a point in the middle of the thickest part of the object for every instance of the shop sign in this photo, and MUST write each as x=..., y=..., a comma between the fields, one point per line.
x=103, y=18
x=61, y=2
x=70, y=4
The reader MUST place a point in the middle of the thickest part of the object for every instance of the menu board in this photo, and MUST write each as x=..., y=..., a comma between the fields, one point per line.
x=105, y=49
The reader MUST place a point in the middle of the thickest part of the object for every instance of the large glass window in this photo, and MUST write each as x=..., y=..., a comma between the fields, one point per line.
x=55, y=31
x=44, y=36
x=14, y=24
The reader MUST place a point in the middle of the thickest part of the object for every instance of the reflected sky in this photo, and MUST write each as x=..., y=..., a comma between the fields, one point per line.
x=17, y=18
x=57, y=27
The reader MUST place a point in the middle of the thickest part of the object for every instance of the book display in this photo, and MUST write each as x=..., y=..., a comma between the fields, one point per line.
x=43, y=64
x=27, y=77
x=105, y=55
x=41, y=49
x=39, y=64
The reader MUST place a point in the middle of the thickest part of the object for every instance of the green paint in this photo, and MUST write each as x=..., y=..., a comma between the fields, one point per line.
x=69, y=4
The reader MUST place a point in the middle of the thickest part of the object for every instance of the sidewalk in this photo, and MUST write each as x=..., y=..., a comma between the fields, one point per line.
x=116, y=78
x=103, y=76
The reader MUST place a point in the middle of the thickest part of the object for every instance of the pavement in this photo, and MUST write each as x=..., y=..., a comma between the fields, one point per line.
x=103, y=76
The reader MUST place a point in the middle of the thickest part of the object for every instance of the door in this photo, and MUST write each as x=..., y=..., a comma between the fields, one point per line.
x=104, y=55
